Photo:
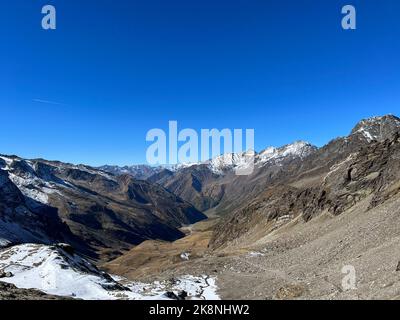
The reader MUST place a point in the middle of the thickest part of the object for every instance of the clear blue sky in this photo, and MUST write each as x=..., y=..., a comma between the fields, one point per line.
x=115, y=69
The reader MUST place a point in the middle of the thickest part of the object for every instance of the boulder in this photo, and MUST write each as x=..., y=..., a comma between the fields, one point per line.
x=171, y=295
x=182, y=295
x=4, y=274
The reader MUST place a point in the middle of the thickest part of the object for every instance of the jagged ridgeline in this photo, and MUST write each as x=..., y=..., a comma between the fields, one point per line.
x=302, y=207
x=100, y=214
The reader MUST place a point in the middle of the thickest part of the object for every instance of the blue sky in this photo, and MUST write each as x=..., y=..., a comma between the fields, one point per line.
x=89, y=91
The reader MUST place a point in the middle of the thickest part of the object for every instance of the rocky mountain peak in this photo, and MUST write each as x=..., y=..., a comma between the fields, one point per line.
x=229, y=161
x=377, y=128
x=298, y=149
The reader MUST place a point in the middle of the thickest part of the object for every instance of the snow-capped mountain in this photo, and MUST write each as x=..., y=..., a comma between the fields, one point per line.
x=24, y=216
x=205, y=184
x=221, y=164
x=377, y=128
x=216, y=181
x=297, y=149
x=232, y=161
x=143, y=171
x=46, y=201
x=57, y=270
x=103, y=213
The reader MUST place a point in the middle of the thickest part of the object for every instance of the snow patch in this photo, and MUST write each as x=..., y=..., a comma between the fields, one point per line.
x=54, y=271
x=29, y=187
x=253, y=254
x=7, y=161
x=185, y=255
x=231, y=161
x=4, y=242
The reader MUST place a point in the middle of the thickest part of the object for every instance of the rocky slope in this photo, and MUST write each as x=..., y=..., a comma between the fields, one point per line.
x=333, y=211
x=214, y=185
x=284, y=232
x=9, y=291
x=98, y=213
x=58, y=271
x=310, y=260
x=303, y=222
x=333, y=179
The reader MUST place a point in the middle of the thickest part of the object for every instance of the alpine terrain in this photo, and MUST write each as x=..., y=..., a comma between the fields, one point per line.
x=290, y=230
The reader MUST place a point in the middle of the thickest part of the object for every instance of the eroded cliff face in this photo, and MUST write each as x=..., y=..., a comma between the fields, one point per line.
x=333, y=179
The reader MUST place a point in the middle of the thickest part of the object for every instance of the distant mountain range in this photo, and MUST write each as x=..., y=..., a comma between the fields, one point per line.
x=203, y=184
x=102, y=213
x=219, y=165
x=99, y=213
x=213, y=186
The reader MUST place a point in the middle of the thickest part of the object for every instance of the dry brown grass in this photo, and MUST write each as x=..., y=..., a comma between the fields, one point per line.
x=152, y=257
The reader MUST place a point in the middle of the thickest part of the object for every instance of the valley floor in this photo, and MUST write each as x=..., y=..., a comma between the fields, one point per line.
x=299, y=260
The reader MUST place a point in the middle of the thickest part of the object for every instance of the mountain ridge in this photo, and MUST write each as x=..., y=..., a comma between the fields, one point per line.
x=304, y=211
x=95, y=210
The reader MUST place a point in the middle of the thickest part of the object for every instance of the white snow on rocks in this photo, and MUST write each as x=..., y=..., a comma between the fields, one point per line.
x=23, y=173
x=235, y=161
x=185, y=255
x=28, y=187
x=367, y=134
x=267, y=154
x=377, y=128
x=299, y=149
x=231, y=161
x=227, y=162
x=54, y=271
x=45, y=269
x=27, y=182
x=197, y=288
x=253, y=254
x=8, y=161
x=4, y=242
